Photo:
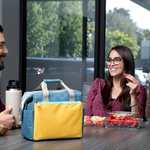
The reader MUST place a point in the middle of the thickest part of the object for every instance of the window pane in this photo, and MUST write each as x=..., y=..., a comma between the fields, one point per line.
x=128, y=24
x=60, y=42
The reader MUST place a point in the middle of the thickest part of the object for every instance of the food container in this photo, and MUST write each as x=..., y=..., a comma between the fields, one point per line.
x=4, y=126
x=123, y=113
x=123, y=124
x=123, y=120
x=94, y=121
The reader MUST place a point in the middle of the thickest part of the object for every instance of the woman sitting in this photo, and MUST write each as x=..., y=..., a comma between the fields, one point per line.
x=117, y=93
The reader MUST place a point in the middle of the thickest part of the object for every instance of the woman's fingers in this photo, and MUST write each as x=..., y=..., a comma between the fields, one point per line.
x=132, y=83
x=132, y=79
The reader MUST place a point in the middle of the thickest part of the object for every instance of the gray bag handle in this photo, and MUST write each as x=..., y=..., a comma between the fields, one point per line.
x=43, y=87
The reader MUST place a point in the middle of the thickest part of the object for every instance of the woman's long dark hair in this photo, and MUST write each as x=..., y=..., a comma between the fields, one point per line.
x=128, y=60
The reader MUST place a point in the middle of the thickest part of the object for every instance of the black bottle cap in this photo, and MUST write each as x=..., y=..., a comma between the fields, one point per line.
x=13, y=84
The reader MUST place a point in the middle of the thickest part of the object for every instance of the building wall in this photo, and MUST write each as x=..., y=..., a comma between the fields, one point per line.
x=10, y=23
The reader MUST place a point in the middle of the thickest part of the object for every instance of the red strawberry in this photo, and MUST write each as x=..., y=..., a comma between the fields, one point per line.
x=102, y=123
x=138, y=121
x=120, y=122
x=108, y=119
x=111, y=124
x=89, y=120
x=89, y=123
x=127, y=117
x=134, y=124
x=121, y=118
x=124, y=74
x=113, y=116
x=130, y=121
x=125, y=123
x=115, y=121
x=98, y=123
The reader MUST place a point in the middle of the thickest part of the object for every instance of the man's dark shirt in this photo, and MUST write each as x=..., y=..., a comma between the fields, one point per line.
x=2, y=106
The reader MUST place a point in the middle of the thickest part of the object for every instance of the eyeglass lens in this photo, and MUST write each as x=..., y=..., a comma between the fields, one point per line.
x=115, y=60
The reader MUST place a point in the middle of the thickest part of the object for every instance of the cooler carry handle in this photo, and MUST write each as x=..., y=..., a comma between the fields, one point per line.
x=43, y=87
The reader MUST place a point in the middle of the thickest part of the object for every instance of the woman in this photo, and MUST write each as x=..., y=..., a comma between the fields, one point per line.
x=148, y=101
x=117, y=93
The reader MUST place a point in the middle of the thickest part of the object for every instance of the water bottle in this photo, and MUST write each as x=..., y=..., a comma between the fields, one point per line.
x=13, y=98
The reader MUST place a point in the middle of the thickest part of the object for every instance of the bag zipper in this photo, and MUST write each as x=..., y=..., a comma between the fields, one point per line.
x=38, y=104
x=63, y=102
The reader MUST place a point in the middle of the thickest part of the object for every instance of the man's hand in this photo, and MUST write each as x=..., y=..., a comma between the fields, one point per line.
x=5, y=116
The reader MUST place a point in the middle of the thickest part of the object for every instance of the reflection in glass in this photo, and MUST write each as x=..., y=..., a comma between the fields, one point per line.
x=55, y=34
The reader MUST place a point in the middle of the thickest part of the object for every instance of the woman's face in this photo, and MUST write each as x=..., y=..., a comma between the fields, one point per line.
x=115, y=67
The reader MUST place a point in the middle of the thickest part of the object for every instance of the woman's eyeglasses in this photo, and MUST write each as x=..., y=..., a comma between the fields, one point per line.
x=116, y=60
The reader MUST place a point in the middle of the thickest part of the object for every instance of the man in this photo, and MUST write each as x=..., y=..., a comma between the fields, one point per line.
x=4, y=114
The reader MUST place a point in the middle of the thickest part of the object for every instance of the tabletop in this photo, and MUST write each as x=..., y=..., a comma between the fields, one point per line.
x=94, y=138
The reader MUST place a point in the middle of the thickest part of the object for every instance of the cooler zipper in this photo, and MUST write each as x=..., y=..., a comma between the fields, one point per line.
x=63, y=102
x=38, y=104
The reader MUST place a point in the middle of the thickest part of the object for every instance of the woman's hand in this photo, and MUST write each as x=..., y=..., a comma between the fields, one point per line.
x=132, y=83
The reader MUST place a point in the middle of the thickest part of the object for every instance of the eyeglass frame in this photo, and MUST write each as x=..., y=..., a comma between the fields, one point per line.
x=113, y=60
